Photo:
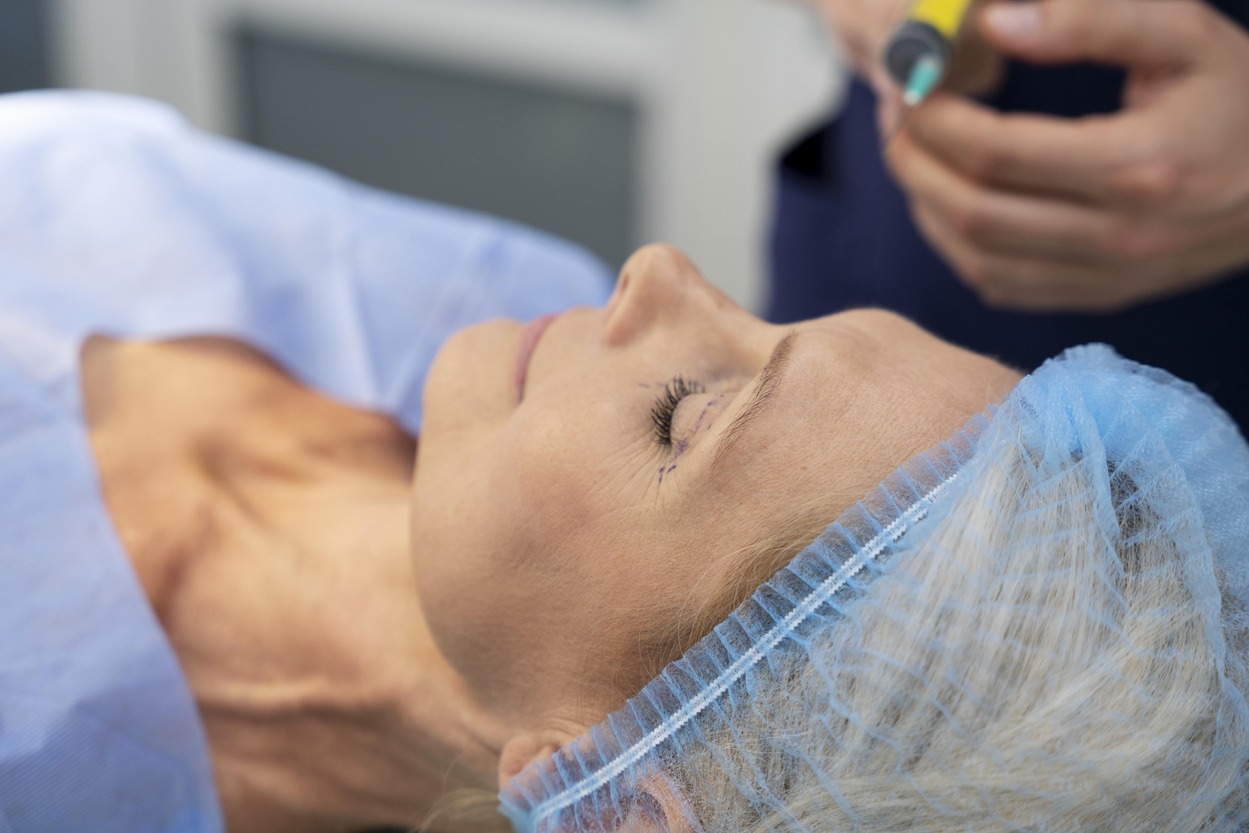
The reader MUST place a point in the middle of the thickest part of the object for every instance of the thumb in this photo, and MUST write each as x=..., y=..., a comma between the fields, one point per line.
x=1127, y=33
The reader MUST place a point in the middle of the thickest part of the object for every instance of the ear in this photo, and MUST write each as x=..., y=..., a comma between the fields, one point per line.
x=525, y=748
x=661, y=805
x=662, y=808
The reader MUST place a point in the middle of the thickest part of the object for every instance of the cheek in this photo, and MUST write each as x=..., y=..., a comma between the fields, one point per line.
x=598, y=545
x=484, y=612
x=531, y=537
x=491, y=522
x=451, y=547
x=545, y=482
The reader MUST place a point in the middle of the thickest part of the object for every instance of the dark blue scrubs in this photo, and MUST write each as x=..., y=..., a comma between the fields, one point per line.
x=843, y=237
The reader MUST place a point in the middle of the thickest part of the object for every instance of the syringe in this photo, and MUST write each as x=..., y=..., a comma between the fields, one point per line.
x=918, y=54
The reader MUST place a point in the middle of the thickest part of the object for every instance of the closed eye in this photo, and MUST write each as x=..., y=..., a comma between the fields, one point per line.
x=665, y=407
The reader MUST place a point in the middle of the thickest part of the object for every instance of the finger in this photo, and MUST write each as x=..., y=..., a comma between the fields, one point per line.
x=889, y=115
x=1026, y=284
x=1007, y=222
x=1120, y=32
x=1083, y=159
x=855, y=32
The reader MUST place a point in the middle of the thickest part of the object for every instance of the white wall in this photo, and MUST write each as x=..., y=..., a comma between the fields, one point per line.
x=720, y=83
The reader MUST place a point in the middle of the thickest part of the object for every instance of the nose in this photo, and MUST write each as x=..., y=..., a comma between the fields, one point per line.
x=660, y=287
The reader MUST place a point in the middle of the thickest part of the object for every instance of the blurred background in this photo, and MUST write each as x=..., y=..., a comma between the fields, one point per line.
x=610, y=122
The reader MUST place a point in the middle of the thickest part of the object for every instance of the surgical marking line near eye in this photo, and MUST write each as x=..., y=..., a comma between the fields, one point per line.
x=665, y=407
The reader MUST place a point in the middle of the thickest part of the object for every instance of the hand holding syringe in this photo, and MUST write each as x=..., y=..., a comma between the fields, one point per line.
x=1097, y=213
x=1045, y=213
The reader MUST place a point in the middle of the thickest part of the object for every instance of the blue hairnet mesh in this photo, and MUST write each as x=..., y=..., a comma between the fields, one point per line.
x=1038, y=625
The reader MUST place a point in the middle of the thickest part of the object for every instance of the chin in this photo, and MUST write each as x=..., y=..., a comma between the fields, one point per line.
x=472, y=380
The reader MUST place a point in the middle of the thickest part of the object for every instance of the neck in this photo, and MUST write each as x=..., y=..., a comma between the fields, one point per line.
x=334, y=710
x=268, y=525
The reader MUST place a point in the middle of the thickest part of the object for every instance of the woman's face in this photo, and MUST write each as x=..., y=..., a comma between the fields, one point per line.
x=583, y=481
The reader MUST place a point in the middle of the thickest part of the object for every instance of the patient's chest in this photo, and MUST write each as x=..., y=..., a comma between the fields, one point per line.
x=202, y=444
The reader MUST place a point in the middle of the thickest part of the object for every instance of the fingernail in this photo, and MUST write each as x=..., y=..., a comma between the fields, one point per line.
x=1013, y=20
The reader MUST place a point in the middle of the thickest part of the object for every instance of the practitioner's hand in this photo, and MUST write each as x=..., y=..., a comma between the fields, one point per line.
x=862, y=28
x=1103, y=212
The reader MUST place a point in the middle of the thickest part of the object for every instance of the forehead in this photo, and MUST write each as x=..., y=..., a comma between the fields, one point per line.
x=861, y=393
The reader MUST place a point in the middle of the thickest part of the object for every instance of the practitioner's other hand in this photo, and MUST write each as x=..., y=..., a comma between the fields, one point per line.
x=1103, y=212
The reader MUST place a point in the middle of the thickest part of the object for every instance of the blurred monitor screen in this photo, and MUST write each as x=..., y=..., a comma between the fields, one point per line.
x=24, y=60
x=558, y=160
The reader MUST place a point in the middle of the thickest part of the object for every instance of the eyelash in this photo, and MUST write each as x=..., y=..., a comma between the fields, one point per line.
x=666, y=406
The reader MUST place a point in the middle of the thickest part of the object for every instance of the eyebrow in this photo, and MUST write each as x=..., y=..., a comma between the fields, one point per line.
x=769, y=379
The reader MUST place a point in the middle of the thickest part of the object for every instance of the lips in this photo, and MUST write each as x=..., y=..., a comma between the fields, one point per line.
x=529, y=339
